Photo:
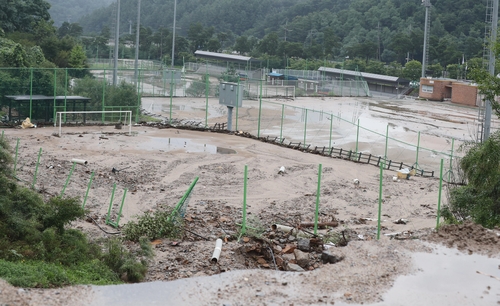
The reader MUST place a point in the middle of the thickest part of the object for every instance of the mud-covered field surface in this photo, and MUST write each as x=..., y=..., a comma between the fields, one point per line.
x=278, y=261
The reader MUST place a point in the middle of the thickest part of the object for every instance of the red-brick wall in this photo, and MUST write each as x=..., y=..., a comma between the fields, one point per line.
x=463, y=93
x=440, y=89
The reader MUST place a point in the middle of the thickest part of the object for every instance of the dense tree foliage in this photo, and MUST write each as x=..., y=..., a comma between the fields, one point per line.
x=22, y=15
x=384, y=30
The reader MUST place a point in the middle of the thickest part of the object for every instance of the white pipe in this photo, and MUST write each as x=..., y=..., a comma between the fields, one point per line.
x=217, y=251
x=282, y=228
x=79, y=161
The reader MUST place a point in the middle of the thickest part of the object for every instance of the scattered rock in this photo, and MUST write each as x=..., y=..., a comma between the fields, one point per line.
x=304, y=245
x=332, y=255
x=294, y=268
x=301, y=258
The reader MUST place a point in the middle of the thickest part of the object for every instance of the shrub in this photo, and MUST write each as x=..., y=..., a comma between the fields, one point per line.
x=155, y=225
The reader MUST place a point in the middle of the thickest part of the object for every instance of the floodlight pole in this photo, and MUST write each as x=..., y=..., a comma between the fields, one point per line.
x=136, y=63
x=117, y=34
x=491, y=68
x=173, y=35
x=427, y=4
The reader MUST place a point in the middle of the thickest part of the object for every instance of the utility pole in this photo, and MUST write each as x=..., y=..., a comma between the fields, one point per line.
x=286, y=29
x=136, y=63
x=378, y=41
x=117, y=37
x=427, y=4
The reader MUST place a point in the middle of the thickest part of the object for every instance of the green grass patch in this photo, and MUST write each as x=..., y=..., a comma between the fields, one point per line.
x=39, y=274
x=149, y=119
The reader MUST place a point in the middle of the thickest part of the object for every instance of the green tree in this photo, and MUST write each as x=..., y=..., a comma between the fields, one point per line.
x=412, y=70
x=480, y=198
x=199, y=36
x=22, y=15
x=78, y=61
x=242, y=46
x=71, y=29
x=269, y=44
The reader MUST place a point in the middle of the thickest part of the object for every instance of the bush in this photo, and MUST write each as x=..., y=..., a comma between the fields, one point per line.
x=37, y=250
x=29, y=274
x=479, y=200
x=155, y=225
x=125, y=263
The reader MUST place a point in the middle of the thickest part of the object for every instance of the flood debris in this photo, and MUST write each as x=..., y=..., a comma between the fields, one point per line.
x=401, y=221
x=217, y=251
x=282, y=170
x=114, y=170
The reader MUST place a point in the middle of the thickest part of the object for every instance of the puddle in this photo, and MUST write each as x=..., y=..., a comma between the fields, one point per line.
x=447, y=277
x=444, y=277
x=185, y=144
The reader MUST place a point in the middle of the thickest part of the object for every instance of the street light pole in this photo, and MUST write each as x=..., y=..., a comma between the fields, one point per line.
x=117, y=37
x=138, y=27
x=173, y=34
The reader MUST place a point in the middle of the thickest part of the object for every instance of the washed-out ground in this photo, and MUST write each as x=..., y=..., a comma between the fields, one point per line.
x=156, y=166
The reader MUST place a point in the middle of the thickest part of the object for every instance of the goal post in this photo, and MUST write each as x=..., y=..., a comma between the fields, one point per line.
x=129, y=113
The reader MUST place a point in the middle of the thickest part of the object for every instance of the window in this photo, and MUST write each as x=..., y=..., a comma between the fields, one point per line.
x=427, y=88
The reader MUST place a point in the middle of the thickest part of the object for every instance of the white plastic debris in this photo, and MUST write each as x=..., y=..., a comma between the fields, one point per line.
x=282, y=170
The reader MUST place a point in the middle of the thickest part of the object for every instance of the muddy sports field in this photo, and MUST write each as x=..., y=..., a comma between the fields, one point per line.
x=278, y=261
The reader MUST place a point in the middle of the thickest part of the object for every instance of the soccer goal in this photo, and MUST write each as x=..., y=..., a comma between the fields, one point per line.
x=128, y=117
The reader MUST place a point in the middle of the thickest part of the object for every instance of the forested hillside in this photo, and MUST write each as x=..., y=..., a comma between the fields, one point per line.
x=72, y=10
x=386, y=30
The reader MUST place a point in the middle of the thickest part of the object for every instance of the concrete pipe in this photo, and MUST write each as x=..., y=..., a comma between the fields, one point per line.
x=217, y=251
x=79, y=161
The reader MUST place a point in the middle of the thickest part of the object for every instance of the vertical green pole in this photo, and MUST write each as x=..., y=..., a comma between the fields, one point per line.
x=31, y=93
x=305, y=129
x=386, y=142
x=67, y=179
x=171, y=96
x=165, y=81
x=138, y=97
x=418, y=149
x=103, y=94
x=111, y=203
x=357, y=137
x=451, y=159
x=15, y=158
x=121, y=207
x=55, y=93
x=88, y=189
x=317, y=200
x=65, y=93
x=439, y=194
x=331, y=129
x=260, y=109
x=237, y=103
x=282, y=117
x=36, y=169
x=244, y=221
x=382, y=165
x=206, y=102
